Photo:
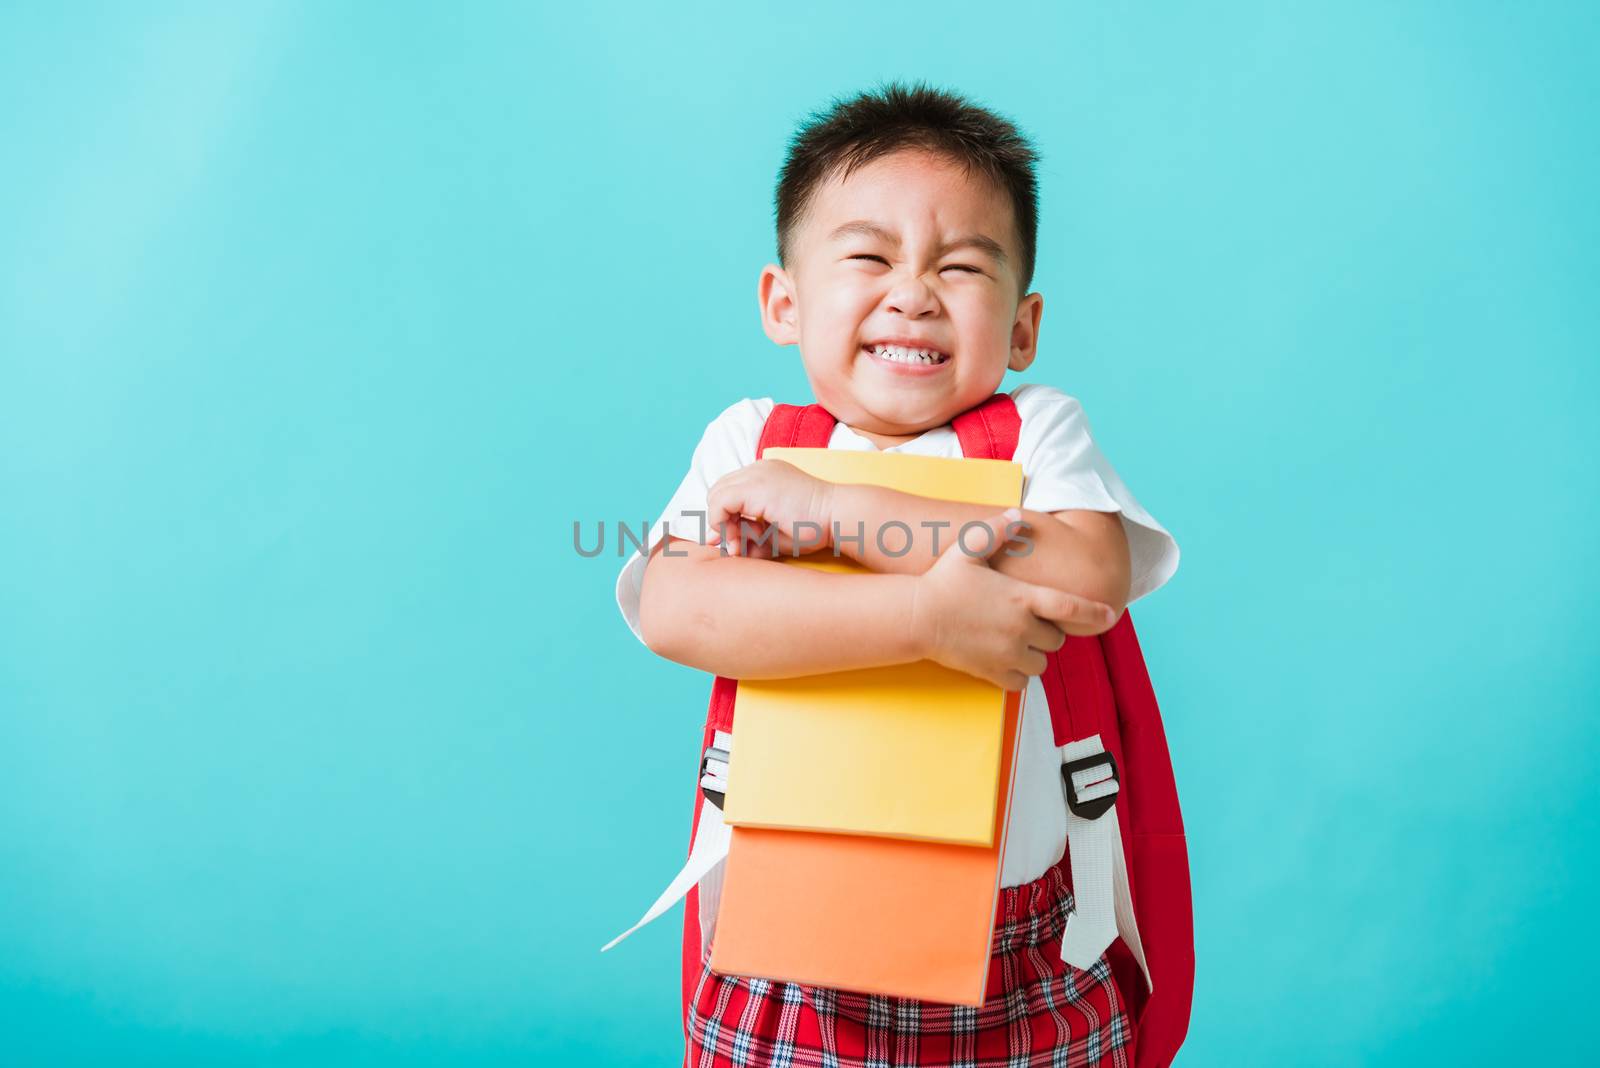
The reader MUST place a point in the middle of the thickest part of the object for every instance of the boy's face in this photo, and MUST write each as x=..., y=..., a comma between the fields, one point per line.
x=901, y=273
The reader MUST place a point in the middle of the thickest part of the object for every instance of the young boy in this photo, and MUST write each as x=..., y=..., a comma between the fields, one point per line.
x=907, y=226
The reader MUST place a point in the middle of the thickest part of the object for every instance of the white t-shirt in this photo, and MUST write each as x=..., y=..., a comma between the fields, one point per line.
x=1062, y=468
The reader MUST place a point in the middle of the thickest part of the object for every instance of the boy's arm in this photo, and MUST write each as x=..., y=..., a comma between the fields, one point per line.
x=748, y=618
x=1080, y=551
x=753, y=618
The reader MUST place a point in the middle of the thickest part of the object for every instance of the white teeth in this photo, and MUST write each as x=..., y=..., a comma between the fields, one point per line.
x=900, y=354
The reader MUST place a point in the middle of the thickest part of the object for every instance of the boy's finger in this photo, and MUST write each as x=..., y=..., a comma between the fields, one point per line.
x=758, y=537
x=1063, y=609
x=725, y=503
x=732, y=534
x=1045, y=636
x=718, y=521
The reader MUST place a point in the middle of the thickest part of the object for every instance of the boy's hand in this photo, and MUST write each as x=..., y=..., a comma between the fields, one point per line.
x=767, y=502
x=970, y=617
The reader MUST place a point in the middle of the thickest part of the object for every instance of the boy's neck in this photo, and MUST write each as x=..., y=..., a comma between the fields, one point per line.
x=884, y=441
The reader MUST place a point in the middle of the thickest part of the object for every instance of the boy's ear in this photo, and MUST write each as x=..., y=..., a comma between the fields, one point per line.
x=779, y=312
x=1025, y=332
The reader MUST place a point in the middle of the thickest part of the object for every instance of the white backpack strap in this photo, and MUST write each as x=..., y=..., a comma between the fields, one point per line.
x=1103, y=901
x=711, y=838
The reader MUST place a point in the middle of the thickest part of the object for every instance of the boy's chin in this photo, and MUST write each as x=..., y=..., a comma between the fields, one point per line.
x=901, y=416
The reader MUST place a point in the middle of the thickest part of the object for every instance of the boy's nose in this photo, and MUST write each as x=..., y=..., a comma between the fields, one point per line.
x=913, y=297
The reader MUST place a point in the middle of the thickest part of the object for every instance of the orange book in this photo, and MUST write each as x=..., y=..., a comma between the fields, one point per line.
x=874, y=915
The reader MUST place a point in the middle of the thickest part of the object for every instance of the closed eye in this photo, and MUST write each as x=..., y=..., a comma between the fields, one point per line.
x=946, y=267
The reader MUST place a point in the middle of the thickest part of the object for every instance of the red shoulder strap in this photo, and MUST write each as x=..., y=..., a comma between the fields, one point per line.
x=989, y=430
x=807, y=426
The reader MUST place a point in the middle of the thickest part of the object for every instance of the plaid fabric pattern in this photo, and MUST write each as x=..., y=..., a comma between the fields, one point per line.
x=1040, y=1013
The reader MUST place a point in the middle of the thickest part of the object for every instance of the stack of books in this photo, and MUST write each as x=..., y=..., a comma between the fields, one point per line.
x=868, y=808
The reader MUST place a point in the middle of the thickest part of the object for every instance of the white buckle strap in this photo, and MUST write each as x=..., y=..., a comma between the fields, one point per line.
x=1092, y=784
x=711, y=839
x=1103, y=901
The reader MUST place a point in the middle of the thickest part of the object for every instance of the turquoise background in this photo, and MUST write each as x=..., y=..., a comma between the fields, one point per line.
x=320, y=324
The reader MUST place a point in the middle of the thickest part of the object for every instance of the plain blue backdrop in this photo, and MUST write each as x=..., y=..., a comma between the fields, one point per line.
x=320, y=324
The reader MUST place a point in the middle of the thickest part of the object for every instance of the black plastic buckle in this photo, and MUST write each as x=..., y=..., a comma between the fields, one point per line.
x=716, y=797
x=1095, y=807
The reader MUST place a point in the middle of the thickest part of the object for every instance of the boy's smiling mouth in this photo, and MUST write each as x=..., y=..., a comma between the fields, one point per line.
x=905, y=355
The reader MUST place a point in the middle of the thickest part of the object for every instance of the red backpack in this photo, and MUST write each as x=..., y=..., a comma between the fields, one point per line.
x=1095, y=686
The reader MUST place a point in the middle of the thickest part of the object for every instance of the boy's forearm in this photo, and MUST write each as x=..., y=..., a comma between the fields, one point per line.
x=1056, y=555
x=752, y=618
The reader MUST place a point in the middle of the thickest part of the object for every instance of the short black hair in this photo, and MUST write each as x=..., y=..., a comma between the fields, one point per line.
x=854, y=131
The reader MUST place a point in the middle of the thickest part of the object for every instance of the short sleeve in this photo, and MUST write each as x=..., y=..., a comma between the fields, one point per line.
x=1064, y=468
x=728, y=443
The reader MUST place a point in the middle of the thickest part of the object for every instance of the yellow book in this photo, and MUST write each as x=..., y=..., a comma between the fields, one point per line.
x=906, y=751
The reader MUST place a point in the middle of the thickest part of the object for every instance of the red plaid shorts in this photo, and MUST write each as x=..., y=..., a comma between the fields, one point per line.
x=1040, y=1011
